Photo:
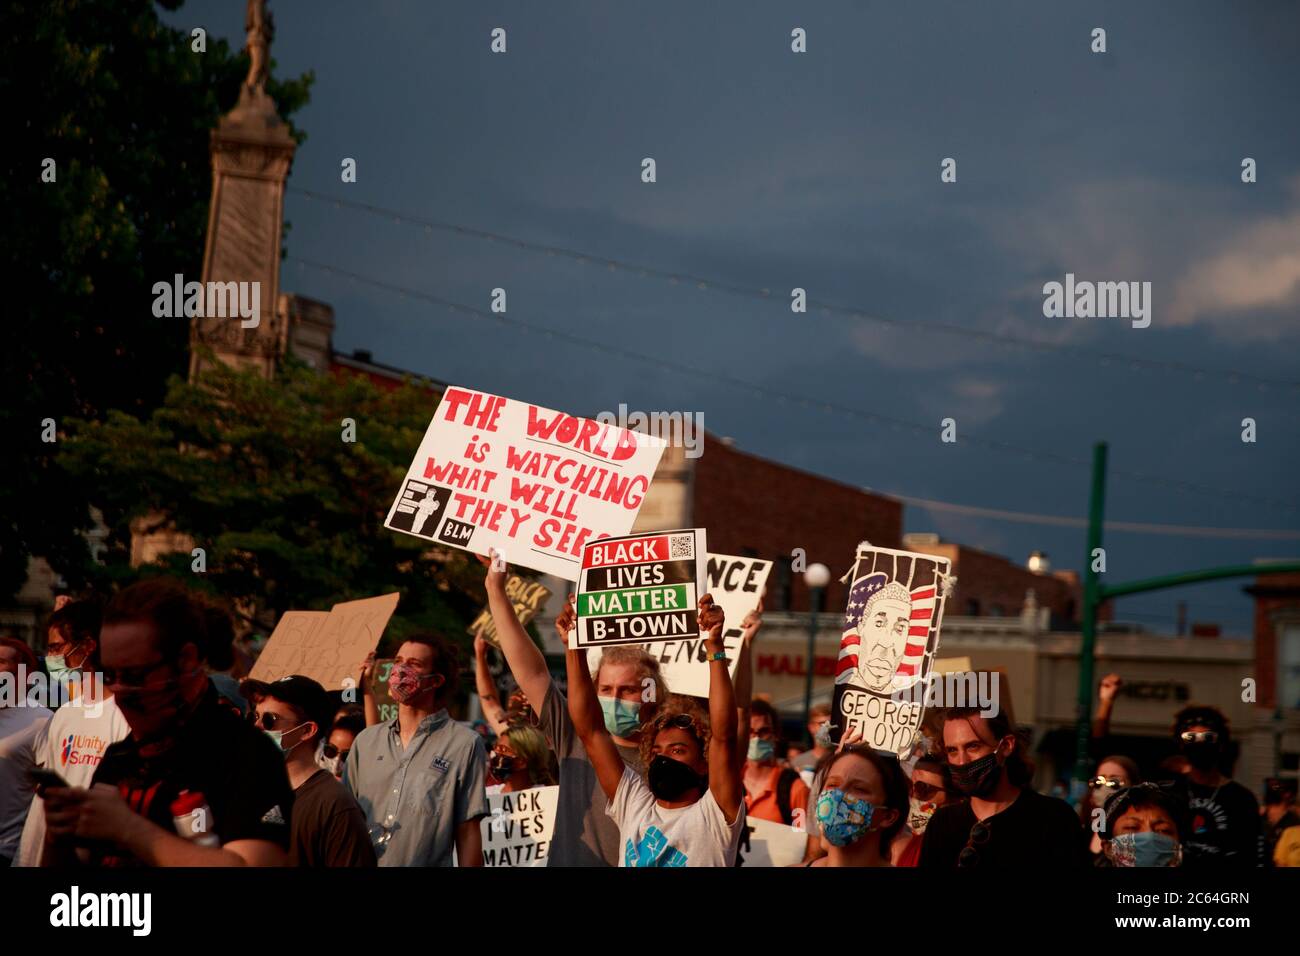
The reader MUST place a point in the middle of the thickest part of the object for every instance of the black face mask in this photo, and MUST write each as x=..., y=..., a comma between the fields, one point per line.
x=501, y=767
x=1202, y=756
x=978, y=778
x=669, y=778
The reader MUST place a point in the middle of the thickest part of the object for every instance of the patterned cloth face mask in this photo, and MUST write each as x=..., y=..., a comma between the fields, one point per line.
x=843, y=820
x=1145, y=849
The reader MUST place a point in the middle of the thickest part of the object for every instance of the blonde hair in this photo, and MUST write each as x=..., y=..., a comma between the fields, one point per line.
x=531, y=746
x=646, y=667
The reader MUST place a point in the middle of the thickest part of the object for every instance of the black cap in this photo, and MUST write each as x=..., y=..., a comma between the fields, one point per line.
x=304, y=694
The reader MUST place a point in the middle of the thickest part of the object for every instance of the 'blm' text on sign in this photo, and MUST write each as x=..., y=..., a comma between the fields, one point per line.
x=641, y=589
x=533, y=484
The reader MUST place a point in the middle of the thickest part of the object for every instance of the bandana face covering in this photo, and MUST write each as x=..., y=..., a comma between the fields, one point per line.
x=1145, y=849
x=843, y=821
x=405, y=684
x=919, y=813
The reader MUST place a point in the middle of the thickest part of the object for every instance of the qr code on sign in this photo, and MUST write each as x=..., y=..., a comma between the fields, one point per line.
x=681, y=546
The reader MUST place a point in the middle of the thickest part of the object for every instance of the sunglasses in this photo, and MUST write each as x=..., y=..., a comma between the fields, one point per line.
x=330, y=752
x=133, y=677
x=970, y=854
x=268, y=720
x=1199, y=736
x=1110, y=783
x=924, y=791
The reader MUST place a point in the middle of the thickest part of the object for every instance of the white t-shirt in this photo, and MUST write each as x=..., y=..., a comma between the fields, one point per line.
x=73, y=745
x=20, y=739
x=652, y=835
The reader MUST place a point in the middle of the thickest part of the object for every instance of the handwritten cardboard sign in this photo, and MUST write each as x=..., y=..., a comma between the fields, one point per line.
x=890, y=638
x=642, y=588
x=533, y=484
x=327, y=646
x=736, y=584
x=527, y=596
x=518, y=829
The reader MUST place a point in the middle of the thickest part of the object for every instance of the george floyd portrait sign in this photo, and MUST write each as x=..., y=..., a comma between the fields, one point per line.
x=891, y=635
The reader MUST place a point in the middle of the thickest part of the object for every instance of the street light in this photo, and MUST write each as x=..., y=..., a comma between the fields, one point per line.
x=816, y=577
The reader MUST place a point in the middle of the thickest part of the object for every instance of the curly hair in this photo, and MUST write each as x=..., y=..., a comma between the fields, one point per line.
x=693, y=723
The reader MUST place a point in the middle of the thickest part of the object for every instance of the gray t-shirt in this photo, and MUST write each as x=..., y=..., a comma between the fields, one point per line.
x=584, y=833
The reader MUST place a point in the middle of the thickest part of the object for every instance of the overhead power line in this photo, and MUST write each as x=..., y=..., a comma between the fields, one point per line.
x=1110, y=359
x=1137, y=527
x=714, y=374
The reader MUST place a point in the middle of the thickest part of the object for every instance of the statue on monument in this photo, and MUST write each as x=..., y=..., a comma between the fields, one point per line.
x=261, y=29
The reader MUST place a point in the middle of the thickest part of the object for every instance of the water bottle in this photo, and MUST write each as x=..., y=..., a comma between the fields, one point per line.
x=192, y=818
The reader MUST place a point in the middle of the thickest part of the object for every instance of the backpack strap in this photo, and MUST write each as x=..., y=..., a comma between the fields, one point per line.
x=784, y=784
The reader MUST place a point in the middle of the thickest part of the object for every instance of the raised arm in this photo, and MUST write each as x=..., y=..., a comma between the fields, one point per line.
x=724, y=771
x=584, y=710
x=522, y=656
x=488, y=698
x=1110, y=685
x=745, y=680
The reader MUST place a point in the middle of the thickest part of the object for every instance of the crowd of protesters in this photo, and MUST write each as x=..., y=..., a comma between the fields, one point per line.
x=161, y=756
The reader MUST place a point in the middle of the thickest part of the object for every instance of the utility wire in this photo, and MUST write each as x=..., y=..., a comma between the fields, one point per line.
x=716, y=375
x=1132, y=362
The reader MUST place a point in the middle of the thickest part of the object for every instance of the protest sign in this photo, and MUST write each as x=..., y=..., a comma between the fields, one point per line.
x=327, y=646
x=641, y=588
x=518, y=829
x=765, y=843
x=527, y=596
x=890, y=638
x=533, y=484
x=736, y=584
x=379, y=689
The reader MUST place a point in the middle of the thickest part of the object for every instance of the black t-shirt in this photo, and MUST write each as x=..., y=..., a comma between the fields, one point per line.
x=328, y=826
x=233, y=764
x=1035, y=832
x=1225, y=826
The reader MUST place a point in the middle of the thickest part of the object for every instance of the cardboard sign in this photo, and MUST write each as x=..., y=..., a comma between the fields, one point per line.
x=534, y=484
x=527, y=596
x=519, y=828
x=891, y=635
x=642, y=588
x=327, y=646
x=765, y=843
x=737, y=585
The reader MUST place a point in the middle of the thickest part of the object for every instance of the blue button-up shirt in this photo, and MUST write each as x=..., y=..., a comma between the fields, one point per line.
x=415, y=797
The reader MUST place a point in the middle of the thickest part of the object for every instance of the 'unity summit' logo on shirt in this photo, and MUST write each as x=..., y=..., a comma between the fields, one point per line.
x=82, y=750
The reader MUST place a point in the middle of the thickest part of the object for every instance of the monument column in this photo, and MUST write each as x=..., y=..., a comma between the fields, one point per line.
x=251, y=153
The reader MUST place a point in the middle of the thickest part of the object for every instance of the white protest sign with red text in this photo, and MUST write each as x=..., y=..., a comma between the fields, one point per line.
x=535, y=485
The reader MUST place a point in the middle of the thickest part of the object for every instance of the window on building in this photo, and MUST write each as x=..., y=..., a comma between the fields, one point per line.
x=1289, y=665
x=783, y=583
x=995, y=610
x=972, y=607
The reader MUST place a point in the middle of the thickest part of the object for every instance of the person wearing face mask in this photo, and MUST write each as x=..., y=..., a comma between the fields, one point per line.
x=629, y=690
x=1113, y=773
x=419, y=778
x=335, y=749
x=1225, y=823
x=861, y=806
x=688, y=808
x=81, y=731
x=520, y=760
x=327, y=827
x=1004, y=823
x=72, y=637
x=182, y=741
x=819, y=719
x=1143, y=827
x=929, y=789
x=772, y=791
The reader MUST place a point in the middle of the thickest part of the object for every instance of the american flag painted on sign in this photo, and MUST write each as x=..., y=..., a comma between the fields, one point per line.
x=922, y=598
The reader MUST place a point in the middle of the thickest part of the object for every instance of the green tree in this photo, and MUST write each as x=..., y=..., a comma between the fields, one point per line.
x=289, y=514
x=123, y=106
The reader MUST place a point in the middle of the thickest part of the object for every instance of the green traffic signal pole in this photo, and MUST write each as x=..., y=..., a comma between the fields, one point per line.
x=1094, y=593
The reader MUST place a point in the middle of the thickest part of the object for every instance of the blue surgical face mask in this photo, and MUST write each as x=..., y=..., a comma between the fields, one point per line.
x=843, y=820
x=622, y=717
x=1145, y=849
x=277, y=738
x=58, y=668
x=761, y=750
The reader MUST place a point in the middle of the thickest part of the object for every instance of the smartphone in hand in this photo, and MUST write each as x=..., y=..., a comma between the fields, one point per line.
x=44, y=778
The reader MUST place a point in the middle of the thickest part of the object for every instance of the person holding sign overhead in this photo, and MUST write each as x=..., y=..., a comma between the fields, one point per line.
x=629, y=689
x=689, y=809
